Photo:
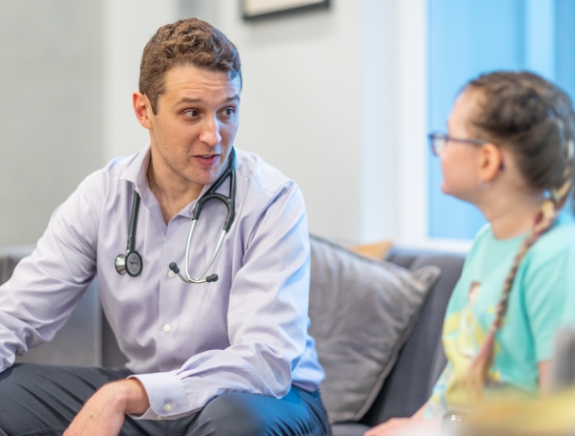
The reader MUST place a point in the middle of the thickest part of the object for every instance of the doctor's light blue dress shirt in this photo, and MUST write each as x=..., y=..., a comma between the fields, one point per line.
x=186, y=343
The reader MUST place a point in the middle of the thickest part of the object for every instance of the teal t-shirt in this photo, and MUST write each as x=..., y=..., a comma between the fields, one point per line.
x=542, y=300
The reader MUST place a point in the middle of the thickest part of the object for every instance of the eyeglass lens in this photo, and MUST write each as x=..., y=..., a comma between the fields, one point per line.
x=437, y=143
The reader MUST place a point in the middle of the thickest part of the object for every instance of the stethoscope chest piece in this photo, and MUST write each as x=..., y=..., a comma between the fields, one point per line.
x=130, y=263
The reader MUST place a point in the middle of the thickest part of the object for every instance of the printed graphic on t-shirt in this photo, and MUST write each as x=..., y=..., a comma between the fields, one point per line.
x=463, y=336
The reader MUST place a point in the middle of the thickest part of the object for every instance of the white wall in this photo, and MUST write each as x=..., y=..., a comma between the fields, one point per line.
x=377, y=214
x=50, y=108
x=127, y=27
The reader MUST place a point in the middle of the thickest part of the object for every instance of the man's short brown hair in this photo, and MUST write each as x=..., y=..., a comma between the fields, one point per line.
x=185, y=42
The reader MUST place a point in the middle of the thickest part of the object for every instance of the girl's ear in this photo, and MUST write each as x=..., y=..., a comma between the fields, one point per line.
x=490, y=162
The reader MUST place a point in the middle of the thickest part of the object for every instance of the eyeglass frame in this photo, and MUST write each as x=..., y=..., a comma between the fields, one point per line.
x=435, y=136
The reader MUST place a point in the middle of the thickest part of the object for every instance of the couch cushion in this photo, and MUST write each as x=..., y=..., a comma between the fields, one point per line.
x=361, y=311
x=348, y=429
x=421, y=359
x=563, y=361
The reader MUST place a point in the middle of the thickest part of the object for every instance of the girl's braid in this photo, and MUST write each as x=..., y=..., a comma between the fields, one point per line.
x=477, y=374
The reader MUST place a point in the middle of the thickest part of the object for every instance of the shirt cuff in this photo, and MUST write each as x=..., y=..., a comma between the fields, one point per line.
x=166, y=394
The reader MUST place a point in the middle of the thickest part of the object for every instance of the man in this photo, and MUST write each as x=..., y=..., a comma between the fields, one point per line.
x=230, y=356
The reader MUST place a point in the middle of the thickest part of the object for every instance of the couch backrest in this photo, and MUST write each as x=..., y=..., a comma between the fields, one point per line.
x=421, y=359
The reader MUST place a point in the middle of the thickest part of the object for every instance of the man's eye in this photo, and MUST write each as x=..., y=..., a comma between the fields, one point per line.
x=192, y=113
x=229, y=111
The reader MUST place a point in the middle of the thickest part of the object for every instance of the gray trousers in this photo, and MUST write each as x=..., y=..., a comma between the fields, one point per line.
x=43, y=400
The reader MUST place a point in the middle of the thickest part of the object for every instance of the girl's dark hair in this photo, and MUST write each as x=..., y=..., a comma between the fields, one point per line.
x=531, y=116
x=535, y=119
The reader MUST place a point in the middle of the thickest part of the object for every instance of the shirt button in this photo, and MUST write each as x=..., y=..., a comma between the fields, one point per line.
x=168, y=407
x=167, y=329
x=171, y=274
x=159, y=418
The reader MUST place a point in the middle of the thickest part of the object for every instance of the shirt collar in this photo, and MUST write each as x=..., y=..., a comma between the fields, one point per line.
x=137, y=170
x=137, y=174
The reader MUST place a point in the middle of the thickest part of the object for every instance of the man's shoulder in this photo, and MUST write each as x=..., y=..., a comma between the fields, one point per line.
x=113, y=171
x=259, y=174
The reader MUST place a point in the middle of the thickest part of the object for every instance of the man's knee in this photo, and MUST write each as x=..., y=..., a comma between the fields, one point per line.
x=231, y=415
x=45, y=397
x=18, y=383
x=24, y=397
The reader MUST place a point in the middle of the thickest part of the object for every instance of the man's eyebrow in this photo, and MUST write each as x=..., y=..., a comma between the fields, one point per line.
x=234, y=98
x=190, y=100
x=199, y=100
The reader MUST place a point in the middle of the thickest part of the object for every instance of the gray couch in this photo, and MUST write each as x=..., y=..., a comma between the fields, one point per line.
x=421, y=359
x=87, y=339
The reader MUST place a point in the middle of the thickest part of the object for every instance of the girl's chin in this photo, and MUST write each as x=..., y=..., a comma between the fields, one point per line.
x=445, y=189
x=458, y=195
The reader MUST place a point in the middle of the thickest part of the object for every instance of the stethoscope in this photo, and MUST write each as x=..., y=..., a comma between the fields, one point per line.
x=131, y=262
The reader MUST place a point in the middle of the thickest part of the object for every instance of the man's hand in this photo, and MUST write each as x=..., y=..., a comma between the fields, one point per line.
x=103, y=414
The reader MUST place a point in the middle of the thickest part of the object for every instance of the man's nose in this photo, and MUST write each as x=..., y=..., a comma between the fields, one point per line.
x=211, y=131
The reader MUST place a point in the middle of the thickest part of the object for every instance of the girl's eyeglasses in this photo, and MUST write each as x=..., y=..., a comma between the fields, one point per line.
x=438, y=141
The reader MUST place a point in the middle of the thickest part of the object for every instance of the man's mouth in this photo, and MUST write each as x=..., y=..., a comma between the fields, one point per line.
x=207, y=160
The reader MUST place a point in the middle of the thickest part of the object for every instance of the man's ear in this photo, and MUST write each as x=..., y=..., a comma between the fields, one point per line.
x=142, y=109
x=491, y=161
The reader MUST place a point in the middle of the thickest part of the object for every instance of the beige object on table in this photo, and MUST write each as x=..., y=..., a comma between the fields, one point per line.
x=549, y=416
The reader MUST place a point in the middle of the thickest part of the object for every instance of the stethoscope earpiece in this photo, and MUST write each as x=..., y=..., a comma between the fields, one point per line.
x=211, y=278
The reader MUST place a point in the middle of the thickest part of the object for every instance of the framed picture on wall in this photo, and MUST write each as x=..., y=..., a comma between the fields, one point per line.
x=256, y=9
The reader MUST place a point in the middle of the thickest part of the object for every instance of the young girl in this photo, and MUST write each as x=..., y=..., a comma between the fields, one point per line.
x=510, y=152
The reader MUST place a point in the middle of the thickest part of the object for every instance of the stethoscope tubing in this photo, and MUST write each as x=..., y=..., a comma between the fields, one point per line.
x=229, y=202
x=122, y=263
x=218, y=248
x=133, y=222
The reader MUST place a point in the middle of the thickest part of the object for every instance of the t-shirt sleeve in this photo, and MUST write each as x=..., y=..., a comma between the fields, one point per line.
x=550, y=293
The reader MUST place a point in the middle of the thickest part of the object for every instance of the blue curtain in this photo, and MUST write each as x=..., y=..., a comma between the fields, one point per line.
x=565, y=45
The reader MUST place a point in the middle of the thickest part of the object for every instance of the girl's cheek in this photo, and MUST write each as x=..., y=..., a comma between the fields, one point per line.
x=443, y=163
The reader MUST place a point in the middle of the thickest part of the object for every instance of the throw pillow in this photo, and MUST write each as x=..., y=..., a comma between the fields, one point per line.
x=362, y=311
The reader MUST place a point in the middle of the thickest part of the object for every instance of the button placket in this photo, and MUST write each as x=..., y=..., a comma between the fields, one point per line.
x=166, y=305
